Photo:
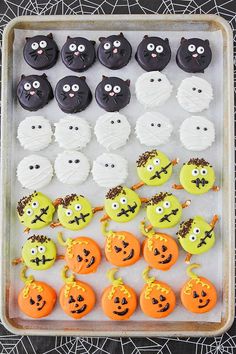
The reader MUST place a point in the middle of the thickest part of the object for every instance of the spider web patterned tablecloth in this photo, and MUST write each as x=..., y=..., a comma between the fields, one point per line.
x=13, y=344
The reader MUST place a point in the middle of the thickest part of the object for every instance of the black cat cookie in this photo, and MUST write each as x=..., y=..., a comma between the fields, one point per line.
x=153, y=53
x=34, y=92
x=114, y=52
x=78, y=53
x=112, y=93
x=40, y=52
x=73, y=94
x=193, y=55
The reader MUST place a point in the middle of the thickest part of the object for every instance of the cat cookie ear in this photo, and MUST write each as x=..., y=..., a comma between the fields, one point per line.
x=207, y=41
x=127, y=82
x=101, y=39
x=50, y=36
x=145, y=36
x=68, y=37
x=166, y=40
x=22, y=76
x=93, y=42
x=83, y=78
x=183, y=40
x=121, y=34
x=27, y=38
x=44, y=76
x=104, y=77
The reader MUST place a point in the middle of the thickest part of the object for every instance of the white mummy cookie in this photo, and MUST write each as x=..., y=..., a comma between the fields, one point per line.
x=194, y=94
x=153, y=129
x=34, y=133
x=72, y=132
x=152, y=89
x=110, y=170
x=197, y=133
x=71, y=167
x=112, y=130
x=34, y=171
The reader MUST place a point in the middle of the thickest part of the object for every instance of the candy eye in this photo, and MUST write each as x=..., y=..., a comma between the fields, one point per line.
x=196, y=230
x=81, y=48
x=29, y=211
x=41, y=249
x=27, y=86
x=66, y=88
x=78, y=207
x=107, y=46
x=200, y=50
x=159, y=49
x=156, y=162
x=159, y=210
x=69, y=212
x=35, y=205
x=43, y=44
x=150, y=168
x=108, y=87
x=191, y=48
x=36, y=84
x=123, y=200
x=75, y=87
x=203, y=171
x=195, y=172
x=115, y=206
x=116, y=44
x=116, y=89
x=33, y=251
x=192, y=238
x=150, y=47
x=34, y=45
x=166, y=204
x=72, y=47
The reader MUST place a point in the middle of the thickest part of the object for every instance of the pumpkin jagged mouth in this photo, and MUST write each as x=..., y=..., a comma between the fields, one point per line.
x=166, y=216
x=158, y=173
x=165, y=308
x=167, y=260
x=44, y=260
x=202, y=306
x=82, y=309
x=43, y=304
x=39, y=217
x=131, y=209
x=130, y=256
x=200, y=182
x=121, y=313
x=77, y=219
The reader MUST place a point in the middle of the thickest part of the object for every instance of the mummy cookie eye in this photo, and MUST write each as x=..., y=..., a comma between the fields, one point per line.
x=150, y=47
x=166, y=204
x=35, y=205
x=78, y=207
x=159, y=210
x=192, y=238
x=81, y=48
x=69, y=212
x=29, y=211
x=203, y=171
x=66, y=88
x=27, y=86
x=150, y=168
x=36, y=84
x=115, y=206
x=116, y=89
x=123, y=200
x=116, y=44
x=159, y=49
x=75, y=87
x=107, y=46
x=107, y=87
x=195, y=172
x=72, y=47
x=191, y=48
x=200, y=50
x=196, y=230
x=41, y=249
x=43, y=44
x=156, y=162
x=34, y=45
x=33, y=251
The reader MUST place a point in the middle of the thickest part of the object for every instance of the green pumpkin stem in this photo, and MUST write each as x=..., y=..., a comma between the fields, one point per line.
x=110, y=276
x=189, y=270
x=146, y=231
x=145, y=275
x=105, y=232
x=61, y=240
x=64, y=276
x=24, y=278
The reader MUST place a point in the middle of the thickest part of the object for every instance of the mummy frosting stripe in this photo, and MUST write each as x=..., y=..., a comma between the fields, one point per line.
x=194, y=94
x=34, y=172
x=112, y=130
x=153, y=129
x=34, y=133
x=197, y=133
x=72, y=132
x=152, y=89
x=110, y=170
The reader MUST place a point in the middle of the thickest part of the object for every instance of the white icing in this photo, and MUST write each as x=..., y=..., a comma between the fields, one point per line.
x=191, y=100
x=197, y=139
x=71, y=172
x=153, y=128
x=34, y=178
x=113, y=174
x=112, y=135
x=77, y=137
x=34, y=139
x=152, y=93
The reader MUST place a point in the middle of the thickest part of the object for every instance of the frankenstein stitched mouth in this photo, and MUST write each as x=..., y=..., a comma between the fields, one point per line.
x=131, y=209
x=200, y=182
x=40, y=308
x=77, y=219
x=130, y=256
x=167, y=260
x=82, y=309
x=208, y=234
x=43, y=260
x=166, y=216
x=92, y=260
x=158, y=173
x=39, y=217
x=121, y=313
x=202, y=306
x=165, y=308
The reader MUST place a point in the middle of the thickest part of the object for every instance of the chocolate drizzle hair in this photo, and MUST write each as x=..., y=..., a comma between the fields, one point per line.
x=23, y=202
x=158, y=198
x=198, y=162
x=184, y=228
x=114, y=192
x=68, y=199
x=142, y=160
x=39, y=238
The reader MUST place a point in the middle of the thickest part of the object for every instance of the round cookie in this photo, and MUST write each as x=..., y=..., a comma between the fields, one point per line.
x=39, y=252
x=153, y=128
x=72, y=132
x=157, y=299
x=78, y=53
x=164, y=210
x=34, y=172
x=152, y=89
x=114, y=52
x=40, y=52
x=35, y=211
x=37, y=299
x=112, y=93
x=198, y=294
x=34, y=133
x=193, y=55
x=34, y=92
x=112, y=130
x=73, y=94
x=119, y=301
x=197, y=133
x=76, y=298
x=110, y=170
x=71, y=167
x=83, y=254
x=153, y=53
x=194, y=94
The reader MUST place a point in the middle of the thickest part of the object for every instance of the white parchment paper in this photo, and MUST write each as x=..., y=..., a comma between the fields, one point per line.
x=205, y=205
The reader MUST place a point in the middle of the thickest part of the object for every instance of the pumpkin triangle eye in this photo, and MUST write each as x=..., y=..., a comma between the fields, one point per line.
x=117, y=249
x=162, y=298
x=79, y=258
x=32, y=302
x=86, y=252
x=203, y=293
x=39, y=297
x=154, y=301
x=156, y=252
x=71, y=299
x=125, y=244
x=80, y=298
x=195, y=294
x=116, y=300
x=124, y=301
x=164, y=248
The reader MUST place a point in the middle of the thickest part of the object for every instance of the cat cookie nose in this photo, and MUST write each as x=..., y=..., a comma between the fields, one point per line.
x=195, y=55
x=32, y=93
x=115, y=50
x=40, y=51
x=71, y=94
x=154, y=55
x=76, y=53
x=111, y=93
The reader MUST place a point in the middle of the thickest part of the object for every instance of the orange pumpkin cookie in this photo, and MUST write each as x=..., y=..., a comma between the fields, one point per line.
x=160, y=251
x=76, y=298
x=119, y=300
x=198, y=294
x=82, y=255
x=121, y=248
x=157, y=299
x=37, y=299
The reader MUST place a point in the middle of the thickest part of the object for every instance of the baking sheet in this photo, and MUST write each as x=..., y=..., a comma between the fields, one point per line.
x=205, y=205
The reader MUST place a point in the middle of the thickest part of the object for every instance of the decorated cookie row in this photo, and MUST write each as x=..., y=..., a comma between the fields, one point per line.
x=114, y=52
